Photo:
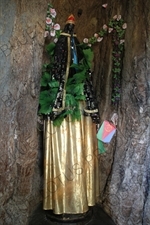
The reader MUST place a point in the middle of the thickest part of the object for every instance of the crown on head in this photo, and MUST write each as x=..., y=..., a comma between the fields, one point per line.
x=71, y=19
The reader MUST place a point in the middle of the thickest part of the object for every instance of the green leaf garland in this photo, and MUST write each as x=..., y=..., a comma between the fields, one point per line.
x=74, y=87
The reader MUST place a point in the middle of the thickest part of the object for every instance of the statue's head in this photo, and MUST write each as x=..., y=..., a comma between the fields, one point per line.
x=70, y=23
x=71, y=19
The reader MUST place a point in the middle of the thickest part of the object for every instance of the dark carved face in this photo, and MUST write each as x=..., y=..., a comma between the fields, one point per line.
x=70, y=27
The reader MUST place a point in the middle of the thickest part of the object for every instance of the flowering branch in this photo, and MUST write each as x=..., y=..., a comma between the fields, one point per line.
x=116, y=24
x=117, y=28
x=52, y=29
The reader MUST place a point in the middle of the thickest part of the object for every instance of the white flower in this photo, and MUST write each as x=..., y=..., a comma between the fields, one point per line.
x=46, y=33
x=105, y=5
x=86, y=40
x=122, y=41
x=115, y=17
x=48, y=20
x=56, y=26
x=110, y=30
x=53, y=33
x=105, y=27
x=96, y=35
x=99, y=39
x=124, y=26
x=53, y=12
x=118, y=17
x=89, y=45
x=55, y=40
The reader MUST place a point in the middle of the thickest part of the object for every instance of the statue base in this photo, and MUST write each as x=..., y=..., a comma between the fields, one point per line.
x=69, y=218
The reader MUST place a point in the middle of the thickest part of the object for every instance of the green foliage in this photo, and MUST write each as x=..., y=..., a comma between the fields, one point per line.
x=88, y=57
x=45, y=102
x=45, y=79
x=74, y=87
x=50, y=48
x=102, y=33
x=59, y=119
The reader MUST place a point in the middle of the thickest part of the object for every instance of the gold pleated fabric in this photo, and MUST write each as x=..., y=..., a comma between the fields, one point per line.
x=71, y=181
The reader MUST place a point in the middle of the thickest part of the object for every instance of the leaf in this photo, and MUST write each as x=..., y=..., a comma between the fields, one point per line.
x=70, y=100
x=50, y=48
x=116, y=70
x=45, y=102
x=69, y=88
x=78, y=89
x=80, y=97
x=88, y=54
x=80, y=77
x=44, y=94
x=54, y=84
x=101, y=33
x=110, y=24
x=60, y=118
x=45, y=79
x=117, y=64
x=78, y=67
x=58, y=121
x=45, y=109
x=47, y=98
x=76, y=115
x=44, y=66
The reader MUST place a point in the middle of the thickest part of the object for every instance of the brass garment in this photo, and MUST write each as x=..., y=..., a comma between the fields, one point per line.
x=71, y=181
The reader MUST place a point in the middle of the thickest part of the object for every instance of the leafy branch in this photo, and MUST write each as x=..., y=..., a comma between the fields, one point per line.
x=116, y=27
x=74, y=87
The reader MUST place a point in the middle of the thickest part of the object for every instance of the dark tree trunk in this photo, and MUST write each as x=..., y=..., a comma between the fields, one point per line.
x=125, y=167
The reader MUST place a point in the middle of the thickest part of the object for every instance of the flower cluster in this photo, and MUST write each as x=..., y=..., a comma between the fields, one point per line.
x=119, y=27
x=115, y=24
x=52, y=29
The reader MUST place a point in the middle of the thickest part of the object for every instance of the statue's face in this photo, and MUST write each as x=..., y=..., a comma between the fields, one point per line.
x=70, y=27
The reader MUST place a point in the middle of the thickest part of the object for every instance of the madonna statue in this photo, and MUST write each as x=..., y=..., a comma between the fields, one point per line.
x=71, y=181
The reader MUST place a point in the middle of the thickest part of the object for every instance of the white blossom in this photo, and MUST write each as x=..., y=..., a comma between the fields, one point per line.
x=53, y=12
x=85, y=40
x=105, y=5
x=48, y=20
x=99, y=39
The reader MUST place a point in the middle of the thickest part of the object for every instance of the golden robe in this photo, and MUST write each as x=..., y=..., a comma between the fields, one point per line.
x=71, y=181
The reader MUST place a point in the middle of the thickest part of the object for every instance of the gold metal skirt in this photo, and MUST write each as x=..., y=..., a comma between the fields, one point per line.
x=71, y=180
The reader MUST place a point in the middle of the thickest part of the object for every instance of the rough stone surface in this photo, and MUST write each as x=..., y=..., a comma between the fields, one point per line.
x=124, y=168
x=21, y=51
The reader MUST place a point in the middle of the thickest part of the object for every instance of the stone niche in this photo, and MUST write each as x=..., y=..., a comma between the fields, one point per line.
x=125, y=167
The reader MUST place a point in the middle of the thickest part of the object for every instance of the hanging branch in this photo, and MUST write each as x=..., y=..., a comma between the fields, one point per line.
x=116, y=27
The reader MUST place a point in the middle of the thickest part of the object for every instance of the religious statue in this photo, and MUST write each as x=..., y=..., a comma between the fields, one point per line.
x=71, y=180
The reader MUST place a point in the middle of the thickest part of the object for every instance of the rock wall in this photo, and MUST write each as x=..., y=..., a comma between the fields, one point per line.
x=124, y=168
x=21, y=49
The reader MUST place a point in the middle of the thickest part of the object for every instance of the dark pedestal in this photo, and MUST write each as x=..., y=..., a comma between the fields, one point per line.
x=70, y=218
x=95, y=216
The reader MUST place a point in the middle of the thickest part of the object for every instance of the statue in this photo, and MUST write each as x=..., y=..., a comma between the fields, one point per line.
x=71, y=181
